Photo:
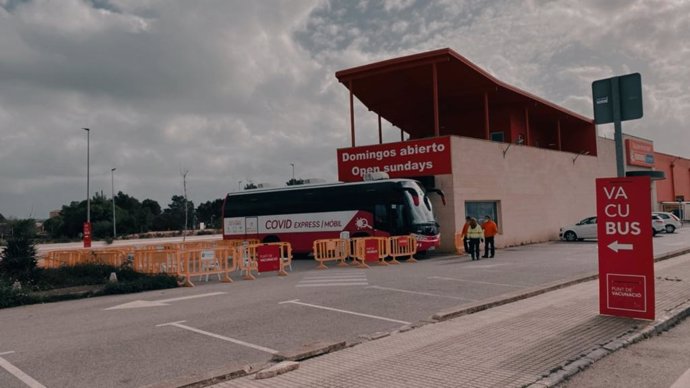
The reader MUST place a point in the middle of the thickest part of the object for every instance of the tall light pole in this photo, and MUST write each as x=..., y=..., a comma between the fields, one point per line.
x=87, y=226
x=239, y=185
x=112, y=191
x=293, y=172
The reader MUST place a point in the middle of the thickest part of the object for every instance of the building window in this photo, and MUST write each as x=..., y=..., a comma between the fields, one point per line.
x=479, y=209
x=497, y=136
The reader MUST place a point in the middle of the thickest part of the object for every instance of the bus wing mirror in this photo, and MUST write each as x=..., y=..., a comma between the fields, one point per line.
x=440, y=193
x=414, y=194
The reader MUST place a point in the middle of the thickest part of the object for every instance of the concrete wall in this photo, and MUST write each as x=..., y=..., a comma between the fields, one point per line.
x=538, y=190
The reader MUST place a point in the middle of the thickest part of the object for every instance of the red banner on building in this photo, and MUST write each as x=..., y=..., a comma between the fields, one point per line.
x=626, y=262
x=421, y=157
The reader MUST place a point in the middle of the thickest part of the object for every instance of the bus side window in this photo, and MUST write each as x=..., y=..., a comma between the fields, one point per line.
x=381, y=220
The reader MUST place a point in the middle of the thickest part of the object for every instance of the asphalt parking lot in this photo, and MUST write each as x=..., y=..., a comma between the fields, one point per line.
x=138, y=339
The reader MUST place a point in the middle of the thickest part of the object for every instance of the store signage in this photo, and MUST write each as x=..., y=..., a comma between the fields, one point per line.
x=268, y=257
x=412, y=158
x=87, y=235
x=639, y=153
x=626, y=262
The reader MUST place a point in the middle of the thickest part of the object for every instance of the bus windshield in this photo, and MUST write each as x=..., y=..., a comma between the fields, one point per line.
x=421, y=213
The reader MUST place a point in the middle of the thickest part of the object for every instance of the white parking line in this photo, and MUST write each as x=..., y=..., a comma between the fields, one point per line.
x=421, y=293
x=224, y=338
x=16, y=372
x=296, y=301
x=475, y=281
x=332, y=284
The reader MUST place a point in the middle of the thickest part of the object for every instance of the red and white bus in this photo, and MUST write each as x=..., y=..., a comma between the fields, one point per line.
x=303, y=213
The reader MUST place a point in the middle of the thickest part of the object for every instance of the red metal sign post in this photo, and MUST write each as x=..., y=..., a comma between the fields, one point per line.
x=626, y=262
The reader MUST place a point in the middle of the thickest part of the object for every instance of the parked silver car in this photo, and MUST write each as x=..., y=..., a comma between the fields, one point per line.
x=671, y=221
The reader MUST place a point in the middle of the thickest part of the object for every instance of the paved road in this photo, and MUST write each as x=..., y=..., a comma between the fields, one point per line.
x=86, y=343
x=662, y=361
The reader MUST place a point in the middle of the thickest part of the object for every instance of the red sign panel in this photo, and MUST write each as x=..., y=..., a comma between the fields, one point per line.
x=87, y=235
x=626, y=262
x=371, y=250
x=268, y=257
x=639, y=153
x=421, y=157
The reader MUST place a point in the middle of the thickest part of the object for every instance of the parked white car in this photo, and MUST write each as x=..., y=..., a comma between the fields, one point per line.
x=671, y=221
x=658, y=224
x=587, y=229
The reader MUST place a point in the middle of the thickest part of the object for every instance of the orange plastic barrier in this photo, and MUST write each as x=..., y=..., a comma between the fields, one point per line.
x=66, y=258
x=236, y=243
x=370, y=249
x=154, y=261
x=331, y=250
x=204, y=262
x=247, y=258
x=400, y=246
x=112, y=257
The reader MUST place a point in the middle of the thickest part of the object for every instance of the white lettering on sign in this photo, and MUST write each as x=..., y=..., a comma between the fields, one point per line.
x=619, y=210
x=615, y=193
x=291, y=223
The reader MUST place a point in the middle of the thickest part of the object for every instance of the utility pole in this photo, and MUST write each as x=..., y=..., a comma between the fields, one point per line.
x=184, y=186
x=112, y=192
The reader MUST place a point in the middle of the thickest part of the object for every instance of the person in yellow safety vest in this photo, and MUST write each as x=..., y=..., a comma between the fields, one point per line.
x=475, y=233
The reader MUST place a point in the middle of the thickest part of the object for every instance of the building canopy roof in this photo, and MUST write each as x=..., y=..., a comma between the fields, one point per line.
x=401, y=90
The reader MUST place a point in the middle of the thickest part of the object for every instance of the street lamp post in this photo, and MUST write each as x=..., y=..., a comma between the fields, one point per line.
x=87, y=226
x=112, y=191
x=293, y=172
x=239, y=185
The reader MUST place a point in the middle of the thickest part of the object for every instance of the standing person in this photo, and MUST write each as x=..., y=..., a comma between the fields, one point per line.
x=462, y=236
x=490, y=230
x=475, y=235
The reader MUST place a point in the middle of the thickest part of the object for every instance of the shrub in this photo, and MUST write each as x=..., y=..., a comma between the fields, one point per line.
x=145, y=283
x=10, y=297
x=18, y=258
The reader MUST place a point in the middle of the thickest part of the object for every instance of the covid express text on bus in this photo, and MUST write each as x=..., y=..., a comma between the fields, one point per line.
x=301, y=214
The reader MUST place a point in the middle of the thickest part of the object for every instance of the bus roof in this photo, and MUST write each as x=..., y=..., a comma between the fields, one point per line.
x=317, y=186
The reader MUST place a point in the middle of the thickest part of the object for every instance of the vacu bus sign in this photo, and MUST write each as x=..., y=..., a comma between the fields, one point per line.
x=626, y=263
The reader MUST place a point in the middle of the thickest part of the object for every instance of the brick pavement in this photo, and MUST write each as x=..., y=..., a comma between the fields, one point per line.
x=513, y=345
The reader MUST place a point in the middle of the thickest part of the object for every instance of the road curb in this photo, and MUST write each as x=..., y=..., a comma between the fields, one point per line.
x=230, y=372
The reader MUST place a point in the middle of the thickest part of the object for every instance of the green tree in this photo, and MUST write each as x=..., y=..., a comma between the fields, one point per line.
x=173, y=216
x=293, y=182
x=209, y=213
x=18, y=258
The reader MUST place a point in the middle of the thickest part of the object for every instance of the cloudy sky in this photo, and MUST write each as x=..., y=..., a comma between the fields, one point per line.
x=239, y=90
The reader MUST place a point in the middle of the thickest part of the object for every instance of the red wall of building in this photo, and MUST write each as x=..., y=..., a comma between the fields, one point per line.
x=677, y=180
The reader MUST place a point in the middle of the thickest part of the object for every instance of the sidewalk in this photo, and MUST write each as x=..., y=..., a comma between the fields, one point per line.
x=537, y=341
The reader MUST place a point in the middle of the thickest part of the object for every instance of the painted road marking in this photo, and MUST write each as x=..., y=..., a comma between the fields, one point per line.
x=162, y=302
x=16, y=372
x=334, y=280
x=296, y=301
x=475, y=281
x=421, y=293
x=224, y=338
x=683, y=381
